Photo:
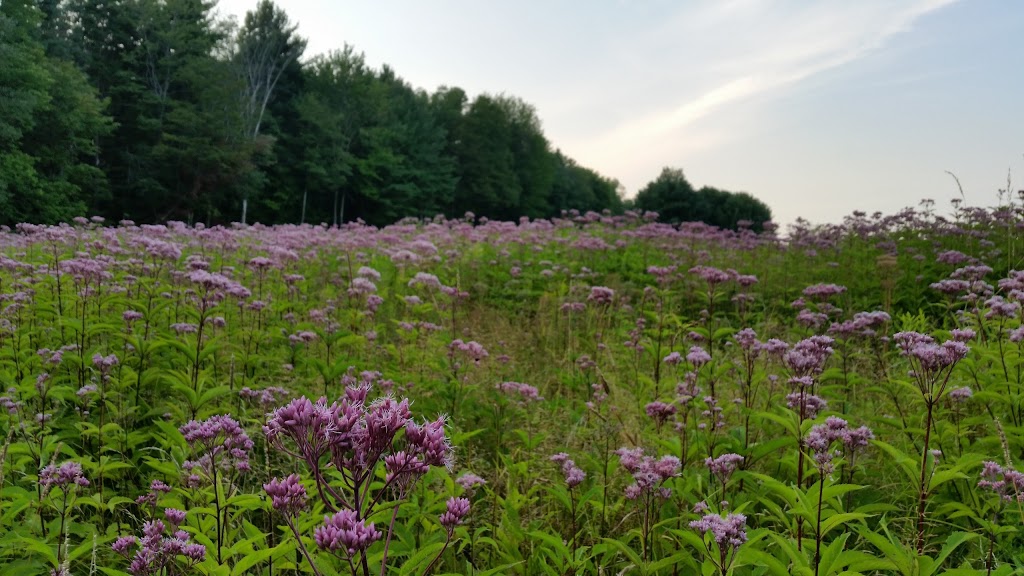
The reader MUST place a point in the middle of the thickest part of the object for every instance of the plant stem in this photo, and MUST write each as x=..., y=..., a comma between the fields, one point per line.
x=572, y=506
x=302, y=547
x=387, y=541
x=817, y=529
x=922, y=493
x=216, y=502
x=432, y=562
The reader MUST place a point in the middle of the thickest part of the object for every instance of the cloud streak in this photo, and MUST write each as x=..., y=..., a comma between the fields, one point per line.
x=787, y=47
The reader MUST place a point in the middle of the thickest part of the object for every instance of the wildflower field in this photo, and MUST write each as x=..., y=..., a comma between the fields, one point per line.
x=587, y=395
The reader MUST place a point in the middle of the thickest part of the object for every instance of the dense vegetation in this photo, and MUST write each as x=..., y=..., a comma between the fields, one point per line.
x=587, y=395
x=675, y=200
x=153, y=110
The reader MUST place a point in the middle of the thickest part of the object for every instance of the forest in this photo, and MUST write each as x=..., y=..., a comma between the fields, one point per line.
x=158, y=110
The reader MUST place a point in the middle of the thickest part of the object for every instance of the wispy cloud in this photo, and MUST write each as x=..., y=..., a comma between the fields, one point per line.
x=788, y=44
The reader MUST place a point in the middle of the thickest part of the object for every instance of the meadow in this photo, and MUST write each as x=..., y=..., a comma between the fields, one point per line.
x=590, y=394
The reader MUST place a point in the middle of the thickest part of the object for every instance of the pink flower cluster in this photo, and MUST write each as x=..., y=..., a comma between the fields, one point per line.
x=865, y=324
x=265, y=397
x=287, y=496
x=66, y=475
x=649, y=474
x=345, y=532
x=805, y=403
x=472, y=349
x=713, y=276
x=601, y=295
x=723, y=466
x=698, y=357
x=470, y=481
x=157, y=551
x=573, y=474
x=456, y=509
x=1002, y=480
x=808, y=356
x=660, y=412
x=524, y=392
x=730, y=531
x=931, y=362
x=355, y=436
x=819, y=440
x=222, y=444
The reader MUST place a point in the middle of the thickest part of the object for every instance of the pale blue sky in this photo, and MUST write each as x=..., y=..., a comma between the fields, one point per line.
x=817, y=108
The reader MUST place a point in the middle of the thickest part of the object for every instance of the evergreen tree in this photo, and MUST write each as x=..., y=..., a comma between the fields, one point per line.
x=51, y=121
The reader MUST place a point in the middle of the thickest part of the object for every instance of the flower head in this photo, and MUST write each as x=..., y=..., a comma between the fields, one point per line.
x=220, y=441
x=649, y=474
x=601, y=295
x=66, y=475
x=287, y=496
x=724, y=465
x=345, y=532
x=470, y=481
x=573, y=474
x=456, y=510
x=728, y=532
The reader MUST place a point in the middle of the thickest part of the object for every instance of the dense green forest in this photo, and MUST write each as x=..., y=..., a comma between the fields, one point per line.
x=675, y=200
x=153, y=110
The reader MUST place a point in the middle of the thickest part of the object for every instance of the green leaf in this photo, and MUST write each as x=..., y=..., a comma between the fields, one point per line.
x=942, y=476
x=953, y=541
x=250, y=560
x=909, y=466
x=682, y=557
x=39, y=547
x=112, y=571
x=626, y=550
x=787, y=422
x=748, y=556
x=211, y=394
x=723, y=333
x=503, y=569
x=842, y=519
x=418, y=561
x=552, y=543
x=902, y=559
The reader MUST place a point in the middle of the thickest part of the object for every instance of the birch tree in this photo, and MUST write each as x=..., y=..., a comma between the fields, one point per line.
x=267, y=45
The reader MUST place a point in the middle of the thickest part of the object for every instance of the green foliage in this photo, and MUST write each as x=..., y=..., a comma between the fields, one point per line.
x=304, y=328
x=675, y=200
x=153, y=110
x=48, y=132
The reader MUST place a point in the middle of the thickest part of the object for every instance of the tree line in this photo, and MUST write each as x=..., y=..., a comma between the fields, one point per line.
x=675, y=200
x=153, y=110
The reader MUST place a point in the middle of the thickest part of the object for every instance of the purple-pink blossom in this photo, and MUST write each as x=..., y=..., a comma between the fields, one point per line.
x=601, y=295
x=288, y=495
x=698, y=357
x=520, y=391
x=470, y=481
x=660, y=411
x=63, y=476
x=345, y=532
x=819, y=440
x=723, y=466
x=456, y=509
x=730, y=531
x=220, y=443
x=649, y=474
x=573, y=474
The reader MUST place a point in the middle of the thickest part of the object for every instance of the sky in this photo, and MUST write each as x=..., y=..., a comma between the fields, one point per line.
x=817, y=108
